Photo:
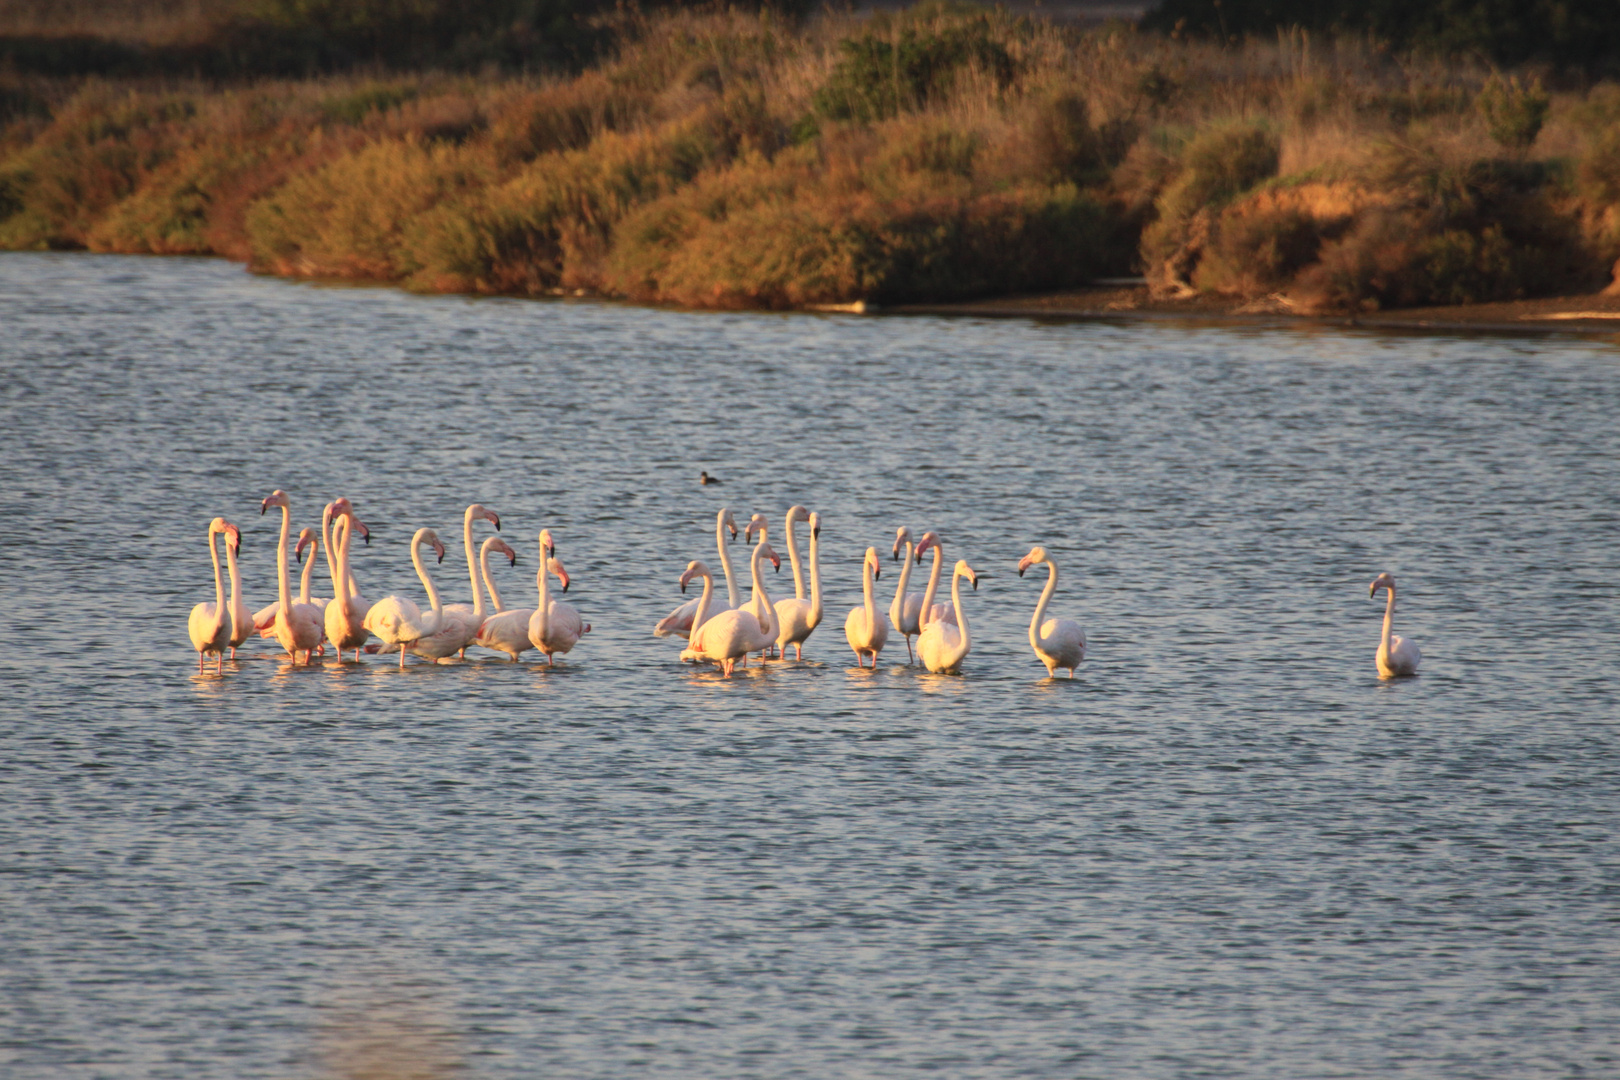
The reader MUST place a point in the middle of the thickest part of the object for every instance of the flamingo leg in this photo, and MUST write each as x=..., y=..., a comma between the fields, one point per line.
x=402, y=658
x=798, y=650
x=911, y=657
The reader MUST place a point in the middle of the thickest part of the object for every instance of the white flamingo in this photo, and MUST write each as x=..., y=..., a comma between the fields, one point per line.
x=678, y=623
x=396, y=620
x=941, y=645
x=265, y=619
x=1057, y=642
x=797, y=617
x=241, y=614
x=1396, y=655
x=346, y=613
x=461, y=621
x=929, y=610
x=297, y=627
x=210, y=624
x=731, y=635
x=555, y=626
x=906, y=608
x=506, y=629
x=866, y=628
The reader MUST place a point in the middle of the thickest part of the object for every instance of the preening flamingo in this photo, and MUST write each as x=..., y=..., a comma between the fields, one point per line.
x=210, y=624
x=930, y=611
x=906, y=607
x=866, y=628
x=399, y=622
x=555, y=626
x=505, y=629
x=1057, y=642
x=941, y=645
x=731, y=635
x=297, y=627
x=796, y=617
x=346, y=613
x=1396, y=655
x=678, y=623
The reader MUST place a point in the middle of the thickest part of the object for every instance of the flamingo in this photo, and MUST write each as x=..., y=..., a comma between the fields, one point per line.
x=1396, y=655
x=298, y=627
x=507, y=629
x=346, y=613
x=867, y=628
x=336, y=509
x=941, y=645
x=678, y=623
x=210, y=624
x=398, y=621
x=241, y=615
x=754, y=605
x=796, y=617
x=907, y=606
x=1057, y=642
x=461, y=621
x=929, y=611
x=264, y=620
x=555, y=626
x=731, y=635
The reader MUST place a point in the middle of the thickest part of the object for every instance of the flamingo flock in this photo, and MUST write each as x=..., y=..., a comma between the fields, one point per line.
x=722, y=631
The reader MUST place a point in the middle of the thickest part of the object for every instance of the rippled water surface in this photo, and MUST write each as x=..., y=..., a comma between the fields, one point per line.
x=1225, y=849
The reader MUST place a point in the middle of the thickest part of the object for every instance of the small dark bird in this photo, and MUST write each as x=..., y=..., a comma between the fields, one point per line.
x=705, y=478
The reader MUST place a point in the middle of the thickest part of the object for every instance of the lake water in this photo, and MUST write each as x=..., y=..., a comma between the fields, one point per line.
x=1226, y=849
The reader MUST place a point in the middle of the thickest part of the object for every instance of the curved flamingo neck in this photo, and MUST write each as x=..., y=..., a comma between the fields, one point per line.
x=489, y=582
x=303, y=579
x=815, y=583
x=725, y=559
x=1389, y=617
x=702, y=612
x=219, y=584
x=898, y=607
x=961, y=617
x=1040, y=606
x=281, y=562
x=421, y=572
x=328, y=534
x=933, y=582
x=472, y=571
x=766, y=611
x=793, y=557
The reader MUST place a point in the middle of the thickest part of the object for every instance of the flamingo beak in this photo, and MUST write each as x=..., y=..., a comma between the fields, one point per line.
x=1372, y=590
x=1023, y=564
x=494, y=518
x=263, y=506
x=438, y=549
x=816, y=532
x=365, y=533
x=562, y=575
x=510, y=554
x=974, y=580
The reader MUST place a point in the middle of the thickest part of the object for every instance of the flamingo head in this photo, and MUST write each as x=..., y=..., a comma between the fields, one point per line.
x=872, y=561
x=431, y=538
x=233, y=535
x=756, y=524
x=276, y=498
x=694, y=569
x=815, y=526
x=307, y=538
x=929, y=539
x=769, y=552
x=902, y=536
x=548, y=546
x=343, y=507
x=495, y=543
x=728, y=521
x=218, y=525
x=797, y=513
x=556, y=567
x=478, y=510
x=1037, y=554
x=964, y=570
x=1382, y=581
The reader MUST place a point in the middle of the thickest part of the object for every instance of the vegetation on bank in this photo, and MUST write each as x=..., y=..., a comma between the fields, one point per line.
x=740, y=159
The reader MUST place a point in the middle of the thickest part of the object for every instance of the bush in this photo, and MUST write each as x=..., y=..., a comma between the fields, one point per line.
x=1513, y=112
x=877, y=77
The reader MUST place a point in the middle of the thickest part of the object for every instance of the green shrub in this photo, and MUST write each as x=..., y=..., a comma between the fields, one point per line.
x=1513, y=112
x=878, y=77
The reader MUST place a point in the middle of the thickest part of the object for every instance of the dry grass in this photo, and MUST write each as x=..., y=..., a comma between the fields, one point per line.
x=730, y=159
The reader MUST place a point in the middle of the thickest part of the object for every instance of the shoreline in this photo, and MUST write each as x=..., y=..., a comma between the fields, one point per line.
x=1586, y=315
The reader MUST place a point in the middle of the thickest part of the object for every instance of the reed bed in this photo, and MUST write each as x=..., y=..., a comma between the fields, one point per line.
x=731, y=159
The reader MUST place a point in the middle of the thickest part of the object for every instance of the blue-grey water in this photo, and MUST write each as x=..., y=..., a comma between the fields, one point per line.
x=1226, y=849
